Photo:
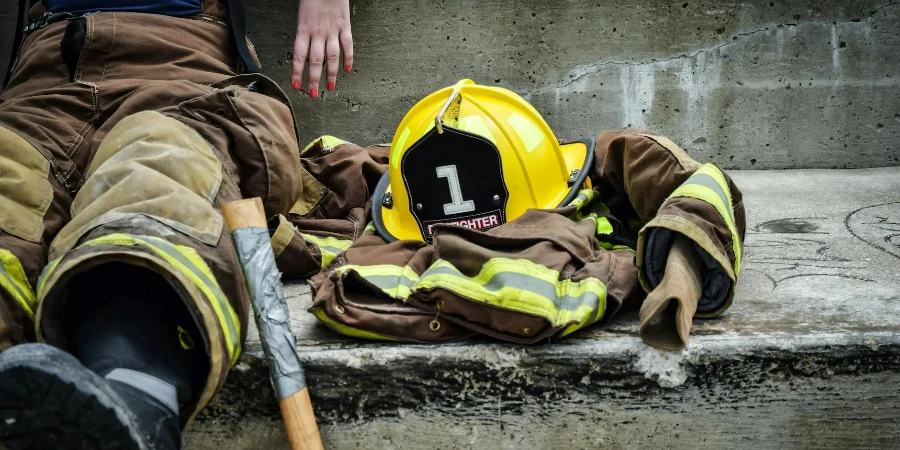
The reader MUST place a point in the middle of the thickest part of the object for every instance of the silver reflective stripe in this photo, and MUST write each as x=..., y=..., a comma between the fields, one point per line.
x=326, y=248
x=389, y=281
x=154, y=387
x=709, y=182
x=531, y=284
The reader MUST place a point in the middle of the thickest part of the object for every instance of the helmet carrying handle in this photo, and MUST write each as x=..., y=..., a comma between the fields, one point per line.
x=439, y=118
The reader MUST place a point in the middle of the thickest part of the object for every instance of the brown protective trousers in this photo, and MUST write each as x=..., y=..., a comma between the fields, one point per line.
x=124, y=149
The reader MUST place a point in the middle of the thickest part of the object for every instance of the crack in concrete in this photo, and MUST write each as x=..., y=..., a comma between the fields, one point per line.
x=592, y=69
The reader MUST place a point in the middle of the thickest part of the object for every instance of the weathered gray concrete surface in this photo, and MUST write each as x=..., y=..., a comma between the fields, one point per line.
x=807, y=358
x=749, y=84
x=758, y=84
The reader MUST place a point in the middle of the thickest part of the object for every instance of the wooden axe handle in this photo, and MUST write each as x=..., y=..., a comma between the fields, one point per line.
x=302, y=429
x=244, y=214
x=296, y=409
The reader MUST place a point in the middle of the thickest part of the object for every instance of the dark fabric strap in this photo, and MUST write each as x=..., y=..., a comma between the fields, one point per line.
x=237, y=23
x=17, y=39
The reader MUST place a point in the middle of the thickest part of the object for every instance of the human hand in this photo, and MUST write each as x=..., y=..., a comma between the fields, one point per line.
x=323, y=29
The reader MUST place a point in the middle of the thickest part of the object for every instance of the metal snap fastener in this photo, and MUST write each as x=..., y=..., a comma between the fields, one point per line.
x=419, y=207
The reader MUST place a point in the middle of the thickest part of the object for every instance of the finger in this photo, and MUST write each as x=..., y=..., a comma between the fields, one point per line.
x=316, y=57
x=333, y=51
x=347, y=45
x=301, y=48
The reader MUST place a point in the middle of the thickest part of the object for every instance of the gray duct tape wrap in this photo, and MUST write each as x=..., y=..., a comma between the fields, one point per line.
x=254, y=250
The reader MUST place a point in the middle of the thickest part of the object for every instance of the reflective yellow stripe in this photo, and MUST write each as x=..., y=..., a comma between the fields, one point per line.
x=328, y=143
x=530, y=134
x=369, y=227
x=476, y=125
x=189, y=263
x=395, y=281
x=608, y=246
x=398, y=147
x=524, y=286
x=348, y=330
x=309, y=146
x=604, y=226
x=584, y=201
x=42, y=281
x=14, y=281
x=604, y=230
x=584, y=197
x=512, y=284
x=329, y=247
x=709, y=185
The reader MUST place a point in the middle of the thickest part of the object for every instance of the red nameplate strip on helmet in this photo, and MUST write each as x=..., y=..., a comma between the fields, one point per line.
x=481, y=223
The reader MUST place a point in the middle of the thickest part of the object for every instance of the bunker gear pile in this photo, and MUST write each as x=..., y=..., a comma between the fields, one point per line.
x=545, y=273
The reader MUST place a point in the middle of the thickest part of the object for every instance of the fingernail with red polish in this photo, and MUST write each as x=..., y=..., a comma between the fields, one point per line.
x=347, y=68
x=330, y=86
x=313, y=92
x=296, y=85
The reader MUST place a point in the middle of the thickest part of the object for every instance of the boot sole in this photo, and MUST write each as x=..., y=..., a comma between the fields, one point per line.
x=48, y=400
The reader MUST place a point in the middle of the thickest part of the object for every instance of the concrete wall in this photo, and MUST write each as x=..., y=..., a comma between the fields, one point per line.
x=753, y=84
x=749, y=84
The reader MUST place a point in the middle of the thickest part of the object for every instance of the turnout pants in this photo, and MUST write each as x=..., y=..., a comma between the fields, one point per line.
x=121, y=135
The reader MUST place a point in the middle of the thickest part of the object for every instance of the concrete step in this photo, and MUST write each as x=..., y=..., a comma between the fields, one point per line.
x=808, y=356
x=752, y=85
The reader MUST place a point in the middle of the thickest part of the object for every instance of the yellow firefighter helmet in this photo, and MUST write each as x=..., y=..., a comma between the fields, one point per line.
x=474, y=156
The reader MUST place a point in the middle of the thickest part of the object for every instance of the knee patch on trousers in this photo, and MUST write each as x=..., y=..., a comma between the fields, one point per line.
x=149, y=165
x=25, y=191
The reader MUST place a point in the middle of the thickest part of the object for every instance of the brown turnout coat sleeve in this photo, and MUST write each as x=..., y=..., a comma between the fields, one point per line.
x=658, y=190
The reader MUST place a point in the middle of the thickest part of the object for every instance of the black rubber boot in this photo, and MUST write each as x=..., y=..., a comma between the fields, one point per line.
x=49, y=400
x=136, y=350
x=133, y=364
